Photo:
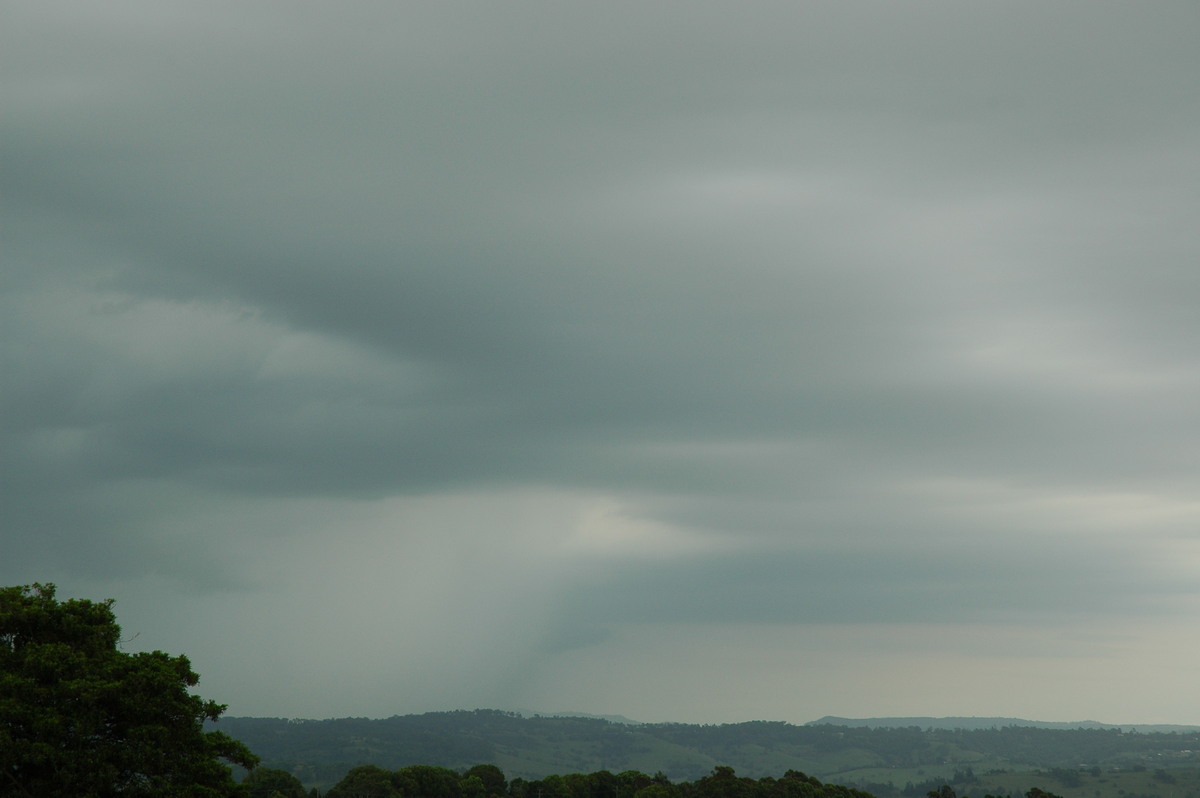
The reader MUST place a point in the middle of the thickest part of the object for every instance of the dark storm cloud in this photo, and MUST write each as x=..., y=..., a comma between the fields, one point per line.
x=873, y=292
x=380, y=204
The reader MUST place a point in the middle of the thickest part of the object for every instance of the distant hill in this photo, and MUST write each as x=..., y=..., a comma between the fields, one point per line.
x=528, y=713
x=890, y=757
x=992, y=723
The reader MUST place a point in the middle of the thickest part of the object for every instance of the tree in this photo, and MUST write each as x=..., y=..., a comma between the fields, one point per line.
x=633, y=780
x=366, y=781
x=427, y=781
x=494, y=782
x=80, y=717
x=472, y=787
x=1037, y=792
x=268, y=782
x=723, y=782
x=657, y=790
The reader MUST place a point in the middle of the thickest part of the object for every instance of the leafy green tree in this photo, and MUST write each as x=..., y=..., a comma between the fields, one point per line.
x=79, y=717
x=723, y=782
x=578, y=785
x=366, y=781
x=427, y=781
x=553, y=786
x=632, y=780
x=796, y=784
x=657, y=790
x=472, y=787
x=1037, y=792
x=264, y=782
x=603, y=784
x=494, y=782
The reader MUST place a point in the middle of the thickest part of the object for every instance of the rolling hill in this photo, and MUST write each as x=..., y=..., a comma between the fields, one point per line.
x=873, y=754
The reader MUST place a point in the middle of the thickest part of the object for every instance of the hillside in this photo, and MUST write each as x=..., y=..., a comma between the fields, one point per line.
x=993, y=723
x=885, y=760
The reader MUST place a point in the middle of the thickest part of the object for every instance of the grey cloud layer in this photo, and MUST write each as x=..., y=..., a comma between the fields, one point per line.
x=754, y=272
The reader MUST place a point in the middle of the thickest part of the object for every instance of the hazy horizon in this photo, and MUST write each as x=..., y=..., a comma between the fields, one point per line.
x=832, y=719
x=689, y=361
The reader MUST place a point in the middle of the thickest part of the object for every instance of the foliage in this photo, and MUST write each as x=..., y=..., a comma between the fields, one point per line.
x=422, y=781
x=428, y=781
x=320, y=751
x=490, y=777
x=80, y=717
x=366, y=781
x=724, y=782
x=270, y=782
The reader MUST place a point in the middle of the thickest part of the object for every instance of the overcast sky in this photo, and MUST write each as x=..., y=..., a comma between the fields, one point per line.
x=690, y=361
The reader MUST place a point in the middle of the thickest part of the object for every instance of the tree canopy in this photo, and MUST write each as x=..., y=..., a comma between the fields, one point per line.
x=80, y=717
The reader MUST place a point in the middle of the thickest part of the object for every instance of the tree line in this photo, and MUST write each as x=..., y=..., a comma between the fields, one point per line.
x=488, y=781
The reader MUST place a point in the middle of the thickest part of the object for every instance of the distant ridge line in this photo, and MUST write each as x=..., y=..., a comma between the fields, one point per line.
x=974, y=723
